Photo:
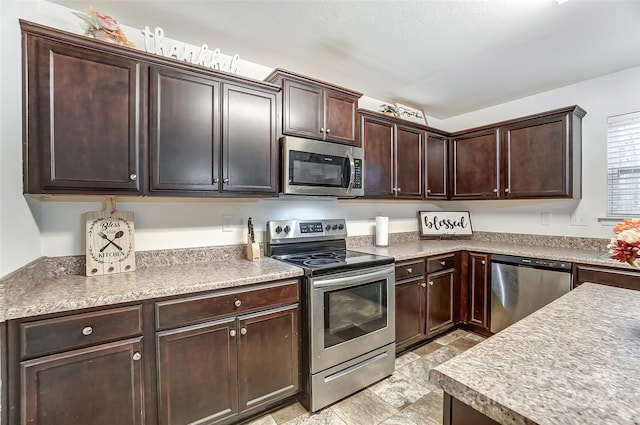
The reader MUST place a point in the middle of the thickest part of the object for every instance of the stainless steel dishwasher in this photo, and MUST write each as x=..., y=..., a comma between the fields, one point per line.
x=520, y=286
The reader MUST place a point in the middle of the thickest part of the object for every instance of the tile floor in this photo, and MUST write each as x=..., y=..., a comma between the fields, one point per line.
x=405, y=398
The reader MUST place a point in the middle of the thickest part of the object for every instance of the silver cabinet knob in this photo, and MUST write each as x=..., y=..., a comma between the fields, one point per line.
x=232, y=332
x=483, y=262
x=321, y=130
x=442, y=263
x=506, y=190
x=237, y=303
x=225, y=180
x=409, y=270
x=423, y=284
x=88, y=330
x=328, y=130
x=137, y=356
x=243, y=331
x=428, y=190
x=495, y=190
x=216, y=180
x=133, y=177
x=399, y=190
x=431, y=283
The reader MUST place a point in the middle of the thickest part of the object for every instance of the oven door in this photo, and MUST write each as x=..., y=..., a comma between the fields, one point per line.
x=351, y=313
x=311, y=167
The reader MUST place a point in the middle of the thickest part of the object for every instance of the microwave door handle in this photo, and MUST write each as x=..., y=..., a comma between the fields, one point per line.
x=352, y=176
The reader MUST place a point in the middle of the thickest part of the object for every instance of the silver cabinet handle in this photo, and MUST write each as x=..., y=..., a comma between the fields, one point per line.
x=133, y=177
x=137, y=356
x=424, y=285
x=232, y=332
x=216, y=180
x=225, y=180
x=88, y=330
x=483, y=262
x=409, y=270
x=495, y=190
x=328, y=130
x=243, y=331
x=237, y=303
x=431, y=283
x=442, y=263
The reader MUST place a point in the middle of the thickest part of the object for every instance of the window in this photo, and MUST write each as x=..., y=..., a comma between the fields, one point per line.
x=623, y=165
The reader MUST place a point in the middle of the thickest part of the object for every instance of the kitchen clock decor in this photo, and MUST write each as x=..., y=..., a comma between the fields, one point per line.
x=109, y=243
x=444, y=223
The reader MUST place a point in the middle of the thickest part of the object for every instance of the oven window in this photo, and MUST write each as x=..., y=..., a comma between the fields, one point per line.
x=316, y=170
x=353, y=312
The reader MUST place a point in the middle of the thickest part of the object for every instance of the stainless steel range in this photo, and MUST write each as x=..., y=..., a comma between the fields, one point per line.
x=349, y=312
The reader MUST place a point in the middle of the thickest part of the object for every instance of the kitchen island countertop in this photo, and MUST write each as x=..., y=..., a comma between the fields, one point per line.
x=575, y=361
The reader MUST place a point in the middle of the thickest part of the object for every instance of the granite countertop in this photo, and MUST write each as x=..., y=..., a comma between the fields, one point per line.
x=71, y=292
x=575, y=361
x=29, y=294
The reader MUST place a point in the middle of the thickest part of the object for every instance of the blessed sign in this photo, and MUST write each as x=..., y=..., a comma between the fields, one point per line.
x=436, y=223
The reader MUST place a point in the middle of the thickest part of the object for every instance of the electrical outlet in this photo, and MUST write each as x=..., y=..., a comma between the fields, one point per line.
x=227, y=223
x=545, y=219
x=578, y=219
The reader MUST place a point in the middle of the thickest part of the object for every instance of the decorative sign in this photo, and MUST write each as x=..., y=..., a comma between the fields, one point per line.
x=154, y=42
x=109, y=240
x=410, y=113
x=437, y=223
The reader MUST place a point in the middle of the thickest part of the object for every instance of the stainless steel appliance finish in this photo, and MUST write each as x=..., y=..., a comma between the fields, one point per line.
x=349, y=308
x=520, y=286
x=311, y=167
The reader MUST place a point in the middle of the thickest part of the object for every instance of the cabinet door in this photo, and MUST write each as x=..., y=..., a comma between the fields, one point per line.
x=86, y=120
x=249, y=141
x=197, y=373
x=409, y=162
x=268, y=356
x=377, y=141
x=184, y=131
x=410, y=313
x=340, y=118
x=101, y=385
x=480, y=290
x=440, y=297
x=437, y=167
x=475, y=165
x=536, y=158
x=303, y=110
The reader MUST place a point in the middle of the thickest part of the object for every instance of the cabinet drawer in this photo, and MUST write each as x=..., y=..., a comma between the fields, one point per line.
x=443, y=262
x=409, y=269
x=79, y=330
x=185, y=311
x=613, y=277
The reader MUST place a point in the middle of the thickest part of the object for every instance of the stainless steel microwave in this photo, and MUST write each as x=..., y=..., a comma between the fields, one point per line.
x=311, y=167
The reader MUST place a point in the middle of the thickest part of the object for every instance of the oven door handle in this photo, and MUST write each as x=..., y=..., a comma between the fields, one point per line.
x=339, y=282
x=352, y=167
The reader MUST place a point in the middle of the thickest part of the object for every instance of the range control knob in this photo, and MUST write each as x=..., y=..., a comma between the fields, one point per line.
x=278, y=229
x=335, y=227
x=340, y=226
x=287, y=229
x=327, y=227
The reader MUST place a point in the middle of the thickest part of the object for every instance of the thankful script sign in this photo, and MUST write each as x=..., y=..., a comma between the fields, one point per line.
x=436, y=223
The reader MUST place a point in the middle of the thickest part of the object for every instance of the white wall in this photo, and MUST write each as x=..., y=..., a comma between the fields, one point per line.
x=53, y=227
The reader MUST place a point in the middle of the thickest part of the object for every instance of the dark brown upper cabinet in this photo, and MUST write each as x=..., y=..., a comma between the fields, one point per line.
x=315, y=109
x=475, y=167
x=394, y=153
x=437, y=167
x=210, y=136
x=85, y=118
x=537, y=156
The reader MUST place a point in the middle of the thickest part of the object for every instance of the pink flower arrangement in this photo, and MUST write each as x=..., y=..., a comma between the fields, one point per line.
x=102, y=26
x=625, y=245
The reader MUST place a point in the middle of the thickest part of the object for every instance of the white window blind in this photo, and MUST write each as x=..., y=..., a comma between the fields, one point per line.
x=623, y=165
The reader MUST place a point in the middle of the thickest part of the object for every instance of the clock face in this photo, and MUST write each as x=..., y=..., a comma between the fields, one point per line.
x=110, y=241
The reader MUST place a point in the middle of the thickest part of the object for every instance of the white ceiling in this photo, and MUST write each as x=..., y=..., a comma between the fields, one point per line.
x=450, y=57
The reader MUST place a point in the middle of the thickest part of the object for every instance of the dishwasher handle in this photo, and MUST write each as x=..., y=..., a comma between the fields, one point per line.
x=538, y=263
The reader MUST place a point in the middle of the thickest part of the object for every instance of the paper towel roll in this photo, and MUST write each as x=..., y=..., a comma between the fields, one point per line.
x=382, y=231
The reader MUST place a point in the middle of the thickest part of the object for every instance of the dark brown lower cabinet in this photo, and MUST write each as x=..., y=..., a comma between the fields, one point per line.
x=479, y=290
x=440, y=300
x=220, y=371
x=459, y=413
x=100, y=385
x=410, y=313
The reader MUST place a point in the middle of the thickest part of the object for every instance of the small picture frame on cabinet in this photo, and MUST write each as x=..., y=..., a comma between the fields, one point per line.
x=444, y=223
x=410, y=112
